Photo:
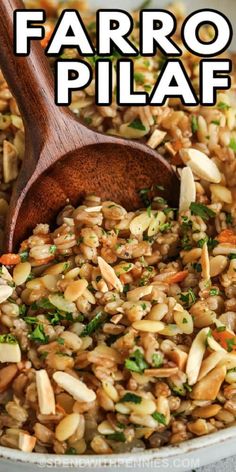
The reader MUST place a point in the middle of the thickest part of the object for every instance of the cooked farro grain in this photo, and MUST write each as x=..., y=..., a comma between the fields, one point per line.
x=125, y=338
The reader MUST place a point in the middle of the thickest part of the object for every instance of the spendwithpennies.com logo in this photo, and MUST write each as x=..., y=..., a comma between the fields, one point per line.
x=97, y=464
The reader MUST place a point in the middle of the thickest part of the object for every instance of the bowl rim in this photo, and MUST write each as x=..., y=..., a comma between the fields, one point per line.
x=167, y=452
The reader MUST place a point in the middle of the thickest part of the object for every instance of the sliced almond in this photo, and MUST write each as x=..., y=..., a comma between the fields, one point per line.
x=5, y=292
x=21, y=272
x=187, y=189
x=214, y=345
x=205, y=262
x=206, y=411
x=139, y=292
x=179, y=357
x=26, y=442
x=201, y=165
x=156, y=138
x=221, y=193
x=195, y=356
x=109, y=274
x=61, y=303
x=148, y=326
x=75, y=289
x=162, y=372
x=229, y=360
x=140, y=223
x=211, y=362
x=217, y=265
x=208, y=387
x=156, y=220
x=10, y=352
x=45, y=392
x=93, y=209
x=74, y=387
x=7, y=375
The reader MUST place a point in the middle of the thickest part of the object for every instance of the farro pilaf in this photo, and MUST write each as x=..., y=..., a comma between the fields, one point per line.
x=118, y=328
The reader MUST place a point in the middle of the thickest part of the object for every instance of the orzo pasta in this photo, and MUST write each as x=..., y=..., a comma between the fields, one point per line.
x=117, y=328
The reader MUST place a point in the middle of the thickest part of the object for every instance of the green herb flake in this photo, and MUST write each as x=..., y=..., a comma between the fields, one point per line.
x=117, y=436
x=221, y=329
x=184, y=321
x=232, y=256
x=60, y=341
x=201, y=210
x=223, y=106
x=71, y=451
x=126, y=288
x=52, y=249
x=94, y=324
x=214, y=291
x=197, y=266
x=216, y=122
x=232, y=144
x=136, y=362
x=149, y=211
x=159, y=417
x=131, y=398
x=139, y=77
x=188, y=298
x=231, y=343
x=137, y=124
x=194, y=124
x=22, y=310
x=8, y=339
x=24, y=255
x=157, y=360
x=39, y=335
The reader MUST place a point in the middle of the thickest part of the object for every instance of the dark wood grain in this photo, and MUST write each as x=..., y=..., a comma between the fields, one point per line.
x=63, y=158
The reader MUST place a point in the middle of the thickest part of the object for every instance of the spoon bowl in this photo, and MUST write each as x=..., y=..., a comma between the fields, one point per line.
x=65, y=160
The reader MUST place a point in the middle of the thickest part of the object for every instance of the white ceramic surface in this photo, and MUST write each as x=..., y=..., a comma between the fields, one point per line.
x=185, y=457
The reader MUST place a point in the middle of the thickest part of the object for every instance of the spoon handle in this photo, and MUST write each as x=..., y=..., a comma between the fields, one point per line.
x=29, y=77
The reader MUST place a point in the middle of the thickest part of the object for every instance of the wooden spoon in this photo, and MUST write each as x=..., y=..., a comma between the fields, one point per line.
x=64, y=160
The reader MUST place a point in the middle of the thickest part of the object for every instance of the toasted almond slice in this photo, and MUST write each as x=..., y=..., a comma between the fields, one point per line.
x=93, y=209
x=179, y=357
x=45, y=392
x=75, y=289
x=139, y=292
x=205, y=262
x=156, y=220
x=61, y=303
x=140, y=223
x=74, y=387
x=10, y=352
x=162, y=372
x=220, y=193
x=67, y=427
x=187, y=189
x=26, y=442
x=5, y=292
x=7, y=375
x=208, y=387
x=148, y=326
x=156, y=138
x=211, y=362
x=6, y=274
x=195, y=356
x=229, y=360
x=21, y=272
x=201, y=165
x=206, y=411
x=109, y=274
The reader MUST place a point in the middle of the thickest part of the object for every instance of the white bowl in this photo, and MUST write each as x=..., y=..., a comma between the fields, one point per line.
x=184, y=457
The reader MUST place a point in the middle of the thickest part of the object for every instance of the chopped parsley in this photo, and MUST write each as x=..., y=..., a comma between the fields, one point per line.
x=211, y=242
x=71, y=451
x=94, y=324
x=126, y=288
x=194, y=124
x=136, y=362
x=223, y=106
x=149, y=211
x=139, y=77
x=7, y=339
x=216, y=122
x=214, y=291
x=232, y=144
x=201, y=210
x=159, y=417
x=117, y=436
x=197, y=266
x=22, y=310
x=24, y=255
x=228, y=218
x=157, y=360
x=232, y=256
x=39, y=335
x=188, y=298
x=131, y=397
x=231, y=342
x=53, y=249
x=220, y=329
x=164, y=227
x=137, y=124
